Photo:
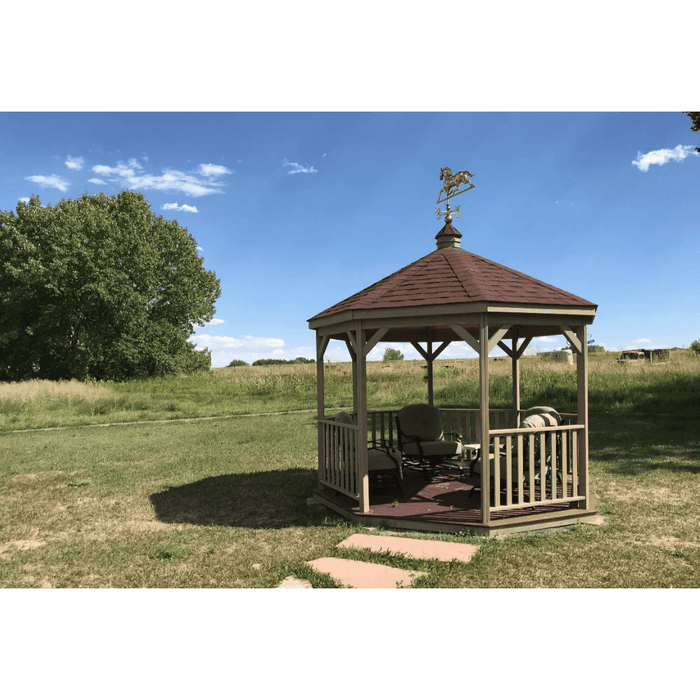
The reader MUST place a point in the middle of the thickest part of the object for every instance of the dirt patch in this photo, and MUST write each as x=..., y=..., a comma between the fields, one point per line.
x=6, y=550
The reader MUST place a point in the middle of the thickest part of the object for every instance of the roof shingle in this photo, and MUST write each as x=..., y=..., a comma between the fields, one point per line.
x=454, y=276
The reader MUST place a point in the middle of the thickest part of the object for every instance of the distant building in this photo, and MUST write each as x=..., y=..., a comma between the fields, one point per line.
x=565, y=356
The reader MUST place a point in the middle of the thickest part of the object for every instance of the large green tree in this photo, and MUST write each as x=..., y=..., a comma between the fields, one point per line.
x=99, y=287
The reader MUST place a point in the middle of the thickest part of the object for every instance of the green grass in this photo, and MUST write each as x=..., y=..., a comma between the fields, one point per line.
x=223, y=503
x=674, y=387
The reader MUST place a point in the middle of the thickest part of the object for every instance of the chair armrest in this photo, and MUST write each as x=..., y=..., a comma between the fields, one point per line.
x=454, y=435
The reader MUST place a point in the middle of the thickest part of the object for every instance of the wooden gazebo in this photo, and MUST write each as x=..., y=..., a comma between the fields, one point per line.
x=448, y=296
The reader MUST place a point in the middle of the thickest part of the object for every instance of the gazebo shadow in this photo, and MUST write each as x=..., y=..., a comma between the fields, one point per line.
x=271, y=499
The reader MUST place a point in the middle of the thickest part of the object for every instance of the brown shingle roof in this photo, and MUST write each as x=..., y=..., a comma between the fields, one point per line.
x=454, y=276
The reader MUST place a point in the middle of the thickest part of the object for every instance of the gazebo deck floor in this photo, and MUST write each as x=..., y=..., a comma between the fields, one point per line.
x=446, y=503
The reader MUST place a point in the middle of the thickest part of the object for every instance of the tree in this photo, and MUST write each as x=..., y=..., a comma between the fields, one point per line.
x=695, y=347
x=99, y=287
x=392, y=354
x=237, y=363
x=695, y=119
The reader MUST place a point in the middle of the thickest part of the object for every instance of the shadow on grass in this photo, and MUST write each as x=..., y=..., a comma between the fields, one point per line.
x=270, y=499
x=633, y=445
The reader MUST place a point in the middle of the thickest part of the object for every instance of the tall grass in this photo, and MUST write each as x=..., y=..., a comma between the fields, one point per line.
x=673, y=386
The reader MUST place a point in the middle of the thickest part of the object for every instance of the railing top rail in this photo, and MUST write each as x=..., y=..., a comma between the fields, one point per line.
x=331, y=421
x=544, y=429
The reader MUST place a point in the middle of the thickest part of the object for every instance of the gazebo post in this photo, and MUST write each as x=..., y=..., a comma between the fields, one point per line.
x=515, y=369
x=430, y=372
x=321, y=346
x=360, y=405
x=582, y=405
x=484, y=406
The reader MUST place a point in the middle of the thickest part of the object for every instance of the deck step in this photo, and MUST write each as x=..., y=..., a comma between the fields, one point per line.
x=360, y=574
x=420, y=549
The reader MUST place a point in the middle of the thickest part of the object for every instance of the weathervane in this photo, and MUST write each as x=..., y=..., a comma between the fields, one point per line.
x=452, y=182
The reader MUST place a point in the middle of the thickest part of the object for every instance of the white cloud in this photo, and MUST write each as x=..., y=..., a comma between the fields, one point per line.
x=75, y=163
x=209, y=170
x=248, y=341
x=199, y=247
x=24, y=199
x=296, y=168
x=662, y=156
x=97, y=181
x=215, y=322
x=204, y=181
x=642, y=340
x=180, y=207
x=50, y=181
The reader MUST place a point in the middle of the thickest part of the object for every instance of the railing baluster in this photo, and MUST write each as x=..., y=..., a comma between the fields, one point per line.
x=553, y=446
x=574, y=463
x=531, y=462
x=565, y=464
x=509, y=470
x=519, y=459
x=496, y=471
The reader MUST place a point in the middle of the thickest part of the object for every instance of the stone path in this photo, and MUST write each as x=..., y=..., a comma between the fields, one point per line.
x=359, y=574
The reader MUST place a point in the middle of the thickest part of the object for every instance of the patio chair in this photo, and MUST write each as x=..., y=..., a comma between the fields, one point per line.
x=422, y=441
x=383, y=461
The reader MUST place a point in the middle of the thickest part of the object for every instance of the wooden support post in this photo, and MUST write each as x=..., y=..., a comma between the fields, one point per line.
x=515, y=370
x=484, y=403
x=430, y=372
x=582, y=390
x=321, y=346
x=360, y=403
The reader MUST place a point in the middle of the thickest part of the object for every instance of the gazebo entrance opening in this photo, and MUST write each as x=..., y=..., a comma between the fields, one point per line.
x=509, y=477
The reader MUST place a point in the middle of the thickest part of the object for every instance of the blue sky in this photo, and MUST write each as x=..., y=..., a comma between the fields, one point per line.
x=295, y=211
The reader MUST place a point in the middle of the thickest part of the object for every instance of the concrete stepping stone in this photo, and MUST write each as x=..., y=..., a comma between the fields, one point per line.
x=420, y=549
x=360, y=574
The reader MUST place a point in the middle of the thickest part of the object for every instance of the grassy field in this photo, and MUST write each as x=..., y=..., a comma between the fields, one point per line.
x=672, y=386
x=221, y=503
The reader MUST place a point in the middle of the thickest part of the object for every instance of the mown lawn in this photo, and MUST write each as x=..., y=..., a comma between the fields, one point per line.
x=222, y=504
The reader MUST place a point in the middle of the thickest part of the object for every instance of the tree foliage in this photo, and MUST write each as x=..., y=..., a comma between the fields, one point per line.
x=275, y=361
x=99, y=287
x=695, y=119
x=392, y=354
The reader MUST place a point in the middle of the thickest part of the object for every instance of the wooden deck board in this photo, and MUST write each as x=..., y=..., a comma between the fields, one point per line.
x=447, y=500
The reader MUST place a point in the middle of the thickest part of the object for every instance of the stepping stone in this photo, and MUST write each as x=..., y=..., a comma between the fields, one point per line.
x=420, y=549
x=293, y=582
x=360, y=574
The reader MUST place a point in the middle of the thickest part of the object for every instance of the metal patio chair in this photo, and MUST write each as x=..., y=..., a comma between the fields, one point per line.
x=423, y=443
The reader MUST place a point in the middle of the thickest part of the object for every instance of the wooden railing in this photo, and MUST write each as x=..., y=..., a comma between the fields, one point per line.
x=536, y=466
x=337, y=464
x=381, y=425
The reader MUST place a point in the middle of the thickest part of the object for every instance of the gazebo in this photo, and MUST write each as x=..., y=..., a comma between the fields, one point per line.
x=452, y=295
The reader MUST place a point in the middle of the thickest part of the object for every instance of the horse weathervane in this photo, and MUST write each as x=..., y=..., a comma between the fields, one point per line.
x=452, y=182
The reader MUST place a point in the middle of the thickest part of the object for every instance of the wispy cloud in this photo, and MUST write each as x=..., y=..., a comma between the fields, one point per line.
x=215, y=322
x=75, y=163
x=295, y=168
x=662, y=156
x=209, y=170
x=50, y=181
x=97, y=181
x=180, y=207
x=642, y=340
x=204, y=180
x=24, y=199
x=248, y=341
